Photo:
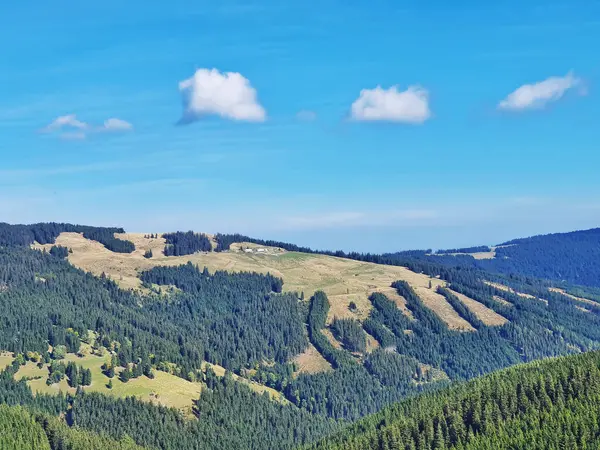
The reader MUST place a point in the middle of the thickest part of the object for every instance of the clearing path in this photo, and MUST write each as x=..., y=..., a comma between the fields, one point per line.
x=482, y=312
x=512, y=291
x=573, y=297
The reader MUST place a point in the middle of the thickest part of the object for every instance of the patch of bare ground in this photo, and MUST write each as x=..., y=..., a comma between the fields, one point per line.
x=485, y=255
x=331, y=338
x=477, y=255
x=434, y=374
x=573, y=297
x=372, y=343
x=340, y=307
x=582, y=309
x=311, y=361
x=482, y=312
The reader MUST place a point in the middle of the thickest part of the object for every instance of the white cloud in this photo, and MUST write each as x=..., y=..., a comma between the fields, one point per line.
x=69, y=121
x=116, y=125
x=391, y=105
x=229, y=95
x=306, y=115
x=70, y=128
x=538, y=95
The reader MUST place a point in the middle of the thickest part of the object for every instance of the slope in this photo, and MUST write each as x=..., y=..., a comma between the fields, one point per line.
x=541, y=405
x=344, y=280
x=572, y=257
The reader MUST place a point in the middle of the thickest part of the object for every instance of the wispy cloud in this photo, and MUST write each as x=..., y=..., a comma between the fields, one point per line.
x=391, y=105
x=116, y=125
x=69, y=127
x=69, y=121
x=355, y=218
x=228, y=95
x=538, y=95
x=306, y=115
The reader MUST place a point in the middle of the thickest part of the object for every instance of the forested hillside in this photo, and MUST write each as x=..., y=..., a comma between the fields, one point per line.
x=23, y=430
x=553, y=404
x=564, y=257
x=572, y=257
x=404, y=342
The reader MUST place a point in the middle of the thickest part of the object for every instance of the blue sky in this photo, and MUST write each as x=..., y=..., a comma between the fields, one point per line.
x=92, y=100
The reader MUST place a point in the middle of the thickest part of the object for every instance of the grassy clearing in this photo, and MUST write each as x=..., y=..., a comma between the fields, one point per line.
x=6, y=359
x=477, y=255
x=573, y=297
x=482, y=312
x=256, y=387
x=164, y=389
x=311, y=361
x=512, y=291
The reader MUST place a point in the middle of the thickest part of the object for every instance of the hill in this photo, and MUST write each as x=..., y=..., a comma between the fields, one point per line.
x=552, y=404
x=564, y=257
x=22, y=430
x=231, y=342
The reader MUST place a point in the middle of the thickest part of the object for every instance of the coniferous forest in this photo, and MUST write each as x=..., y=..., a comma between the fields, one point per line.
x=552, y=404
x=248, y=324
x=180, y=243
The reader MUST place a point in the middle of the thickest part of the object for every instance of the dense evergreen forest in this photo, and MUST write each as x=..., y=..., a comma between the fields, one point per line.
x=46, y=233
x=188, y=243
x=244, y=322
x=229, y=415
x=233, y=320
x=552, y=404
x=23, y=430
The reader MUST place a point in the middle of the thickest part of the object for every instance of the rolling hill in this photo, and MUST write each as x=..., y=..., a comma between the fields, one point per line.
x=551, y=404
x=564, y=257
x=226, y=341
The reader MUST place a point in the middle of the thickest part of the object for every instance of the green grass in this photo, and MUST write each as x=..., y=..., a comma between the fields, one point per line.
x=6, y=359
x=165, y=389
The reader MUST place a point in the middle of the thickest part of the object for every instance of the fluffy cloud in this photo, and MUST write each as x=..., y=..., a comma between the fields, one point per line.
x=538, y=95
x=70, y=128
x=229, y=95
x=391, y=105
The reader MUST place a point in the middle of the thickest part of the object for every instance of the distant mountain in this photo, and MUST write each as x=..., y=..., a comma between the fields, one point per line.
x=573, y=257
x=563, y=257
